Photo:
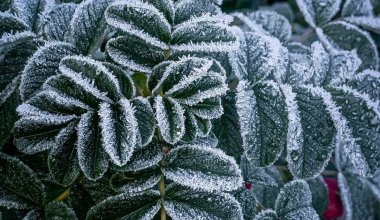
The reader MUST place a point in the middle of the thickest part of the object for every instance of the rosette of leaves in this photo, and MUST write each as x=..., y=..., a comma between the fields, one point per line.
x=301, y=98
x=353, y=18
x=150, y=32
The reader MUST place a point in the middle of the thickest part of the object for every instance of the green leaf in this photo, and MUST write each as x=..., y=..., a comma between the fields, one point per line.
x=30, y=11
x=86, y=71
x=59, y=211
x=357, y=198
x=33, y=215
x=134, y=53
x=227, y=128
x=43, y=64
x=140, y=19
x=88, y=26
x=355, y=38
x=367, y=82
x=118, y=128
x=146, y=121
x=56, y=24
x=15, y=53
x=143, y=205
x=19, y=186
x=201, y=167
x=127, y=87
x=267, y=214
x=185, y=10
x=11, y=24
x=357, y=8
x=259, y=56
x=319, y=194
x=194, y=36
x=93, y=159
x=187, y=203
x=294, y=201
x=191, y=127
x=263, y=121
x=359, y=126
x=9, y=100
x=63, y=160
x=146, y=158
x=247, y=201
x=265, y=176
x=208, y=109
x=318, y=12
x=367, y=23
x=272, y=24
x=36, y=133
x=266, y=185
x=170, y=119
x=311, y=131
x=134, y=182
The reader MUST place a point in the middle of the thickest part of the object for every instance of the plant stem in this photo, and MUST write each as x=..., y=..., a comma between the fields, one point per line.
x=306, y=36
x=162, y=193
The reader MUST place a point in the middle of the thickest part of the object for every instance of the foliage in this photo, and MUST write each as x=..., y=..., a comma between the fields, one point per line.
x=173, y=109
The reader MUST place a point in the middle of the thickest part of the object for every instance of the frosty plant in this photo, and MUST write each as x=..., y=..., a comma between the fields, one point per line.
x=172, y=109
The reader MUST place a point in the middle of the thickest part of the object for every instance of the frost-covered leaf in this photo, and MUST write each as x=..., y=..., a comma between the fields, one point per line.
x=263, y=121
x=34, y=214
x=367, y=82
x=125, y=82
x=88, y=26
x=311, y=132
x=43, y=64
x=356, y=196
x=19, y=186
x=295, y=202
x=191, y=127
x=261, y=56
x=11, y=24
x=357, y=8
x=56, y=24
x=37, y=133
x=145, y=158
x=268, y=186
x=266, y=215
x=140, y=19
x=52, y=102
x=247, y=201
x=119, y=129
x=209, y=108
x=9, y=100
x=59, y=211
x=89, y=76
x=346, y=36
x=143, y=205
x=134, y=53
x=209, y=141
x=318, y=12
x=136, y=181
x=227, y=128
x=189, y=81
x=358, y=118
x=187, y=203
x=195, y=37
x=204, y=126
x=374, y=184
x=14, y=54
x=368, y=23
x=282, y=8
x=30, y=11
x=170, y=119
x=258, y=175
x=187, y=9
x=145, y=120
x=319, y=194
x=272, y=23
x=200, y=167
x=93, y=159
x=63, y=161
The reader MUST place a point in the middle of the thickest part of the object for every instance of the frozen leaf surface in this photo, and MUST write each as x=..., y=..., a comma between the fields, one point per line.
x=318, y=12
x=202, y=168
x=56, y=23
x=19, y=186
